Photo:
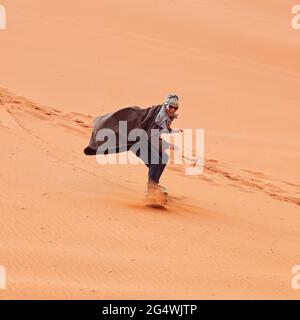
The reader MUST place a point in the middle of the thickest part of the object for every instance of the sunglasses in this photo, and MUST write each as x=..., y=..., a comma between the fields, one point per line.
x=172, y=107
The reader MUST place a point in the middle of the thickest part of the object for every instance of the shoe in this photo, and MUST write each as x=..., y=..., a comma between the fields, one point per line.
x=152, y=187
x=163, y=189
x=156, y=194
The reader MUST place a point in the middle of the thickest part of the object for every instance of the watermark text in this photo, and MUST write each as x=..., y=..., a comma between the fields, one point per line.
x=296, y=277
x=296, y=17
x=2, y=17
x=2, y=278
x=150, y=149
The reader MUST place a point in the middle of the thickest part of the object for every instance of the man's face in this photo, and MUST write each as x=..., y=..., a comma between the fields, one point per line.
x=171, y=110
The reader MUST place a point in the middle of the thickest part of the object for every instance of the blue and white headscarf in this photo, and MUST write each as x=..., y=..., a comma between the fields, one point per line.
x=162, y=119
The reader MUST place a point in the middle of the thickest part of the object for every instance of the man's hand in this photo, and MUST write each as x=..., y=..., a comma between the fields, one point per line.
x=177, y=130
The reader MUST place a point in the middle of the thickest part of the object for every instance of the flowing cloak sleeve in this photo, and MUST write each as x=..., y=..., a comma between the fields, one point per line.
x=136, y=117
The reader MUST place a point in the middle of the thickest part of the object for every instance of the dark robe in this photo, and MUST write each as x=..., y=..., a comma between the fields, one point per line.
x=136, y=117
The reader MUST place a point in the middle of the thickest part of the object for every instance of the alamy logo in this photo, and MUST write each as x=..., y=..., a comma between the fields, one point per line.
x=2, y=18
x=150, y=148
x=296, y=278
x=296, y=19
x=2, y=278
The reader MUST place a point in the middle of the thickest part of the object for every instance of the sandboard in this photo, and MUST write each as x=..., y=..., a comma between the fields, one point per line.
x=158, y=200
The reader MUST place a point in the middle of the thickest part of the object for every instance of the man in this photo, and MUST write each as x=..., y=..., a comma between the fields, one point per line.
x=153, y=120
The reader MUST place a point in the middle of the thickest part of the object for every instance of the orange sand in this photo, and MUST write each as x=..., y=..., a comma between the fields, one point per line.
x=71, y=228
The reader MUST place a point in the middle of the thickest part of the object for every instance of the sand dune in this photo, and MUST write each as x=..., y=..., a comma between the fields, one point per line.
x=74, y=229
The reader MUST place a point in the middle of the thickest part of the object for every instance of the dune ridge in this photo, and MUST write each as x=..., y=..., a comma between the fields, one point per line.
x=240, y=178
x=62, y=214
x=71, y=228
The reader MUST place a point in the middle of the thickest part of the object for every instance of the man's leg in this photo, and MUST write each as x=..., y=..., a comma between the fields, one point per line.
x=158, y=166
x=156, y=163
x=155, y=172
